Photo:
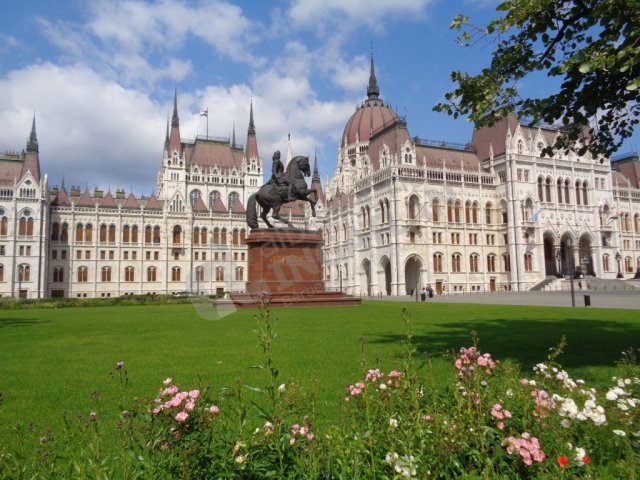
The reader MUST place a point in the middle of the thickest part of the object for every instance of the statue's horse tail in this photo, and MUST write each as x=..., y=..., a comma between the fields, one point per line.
x=252, y=212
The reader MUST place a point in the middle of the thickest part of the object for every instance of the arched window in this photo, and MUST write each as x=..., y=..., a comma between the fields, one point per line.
x=177, y=234
x=147, y=234
x=193, y=196
x=203, y=236
x=156, y=234
x=58, y=274
x=213, y=196
x=105, y=274
x=387, y=209
x=134, y=234
x=606, y=263
x=196, y=235
x=467, y=211
x=491, y=263
x=567, y=187
x=458, y=211
x=64, y=233
x=473, y=263
x=528, y=262
x=239, y=274
x=455, y=263
x=437, y=263
x=628, y=264
x=578, y=193
x=88, y=233
x=520, y=147
x=233, y=196
x=506, y=262
x=223, y=236
x=435, y=210
x=487, y=213
x=540, y=189
x=129, y=274
x=636, y=222
x=559, y=190
x=585, y=196
x=126, y=234
x=382, y=217
x=474, y=212
x=235, y=237
x=243, y=236
x=112, y=233
x=82, y=274
x=450, y=211
x=547, y=189
x=1, y=273
x=199, y=274
x=414, y=207
x=24, y=273
x=151, y=274
x=79, y=232
x=175, y=274
x=102, y=236
x=4, y=226
x=55, y=231
x=216, y=236
x=219, y=274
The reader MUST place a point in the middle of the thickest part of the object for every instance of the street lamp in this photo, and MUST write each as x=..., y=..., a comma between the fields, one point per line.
x=618, y=258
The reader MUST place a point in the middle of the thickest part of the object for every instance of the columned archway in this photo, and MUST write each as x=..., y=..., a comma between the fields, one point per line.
x=385, y=264
x=567, y=263
x=365, y=276
x=412, y=278
x=584, y=252
x=550, y=264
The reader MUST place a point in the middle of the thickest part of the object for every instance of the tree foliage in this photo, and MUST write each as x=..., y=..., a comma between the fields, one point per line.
x=591, y=46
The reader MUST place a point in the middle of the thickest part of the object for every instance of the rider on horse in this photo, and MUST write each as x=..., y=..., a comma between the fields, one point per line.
x=279, y=178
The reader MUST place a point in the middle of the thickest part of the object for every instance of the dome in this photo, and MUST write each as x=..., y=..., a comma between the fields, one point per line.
x=370, y=117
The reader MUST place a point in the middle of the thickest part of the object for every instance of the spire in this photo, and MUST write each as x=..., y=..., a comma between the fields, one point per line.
x=373, y=92
x=166, y=138
x=289, y=154
x=251, y=148
x=175, y=121
x=252, y=127
x=175, y=145
x=32, y=143
x=233, y=136
x=316, y=176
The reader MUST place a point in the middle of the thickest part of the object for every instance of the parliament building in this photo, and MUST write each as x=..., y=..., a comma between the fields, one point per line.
x=399, y=214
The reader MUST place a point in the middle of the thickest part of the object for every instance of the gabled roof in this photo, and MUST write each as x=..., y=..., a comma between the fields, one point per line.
x=61, y=199
x=85, y=200
x=296, y=208
x=153, y=204
x=108, y=201
x=131, y=202
x=237, y=207
x=218, y=206
x=199, y=206
x=212, y=153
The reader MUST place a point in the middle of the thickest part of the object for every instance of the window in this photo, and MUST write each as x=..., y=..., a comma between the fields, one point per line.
x=606, y=262
x=233, y=196
x=58, y=274
x=578, y=193
x=200, y=274
x=435, y=210
x=547, y=189
x=473, y=263
x=450, y=211
x=55, y=232
x=458, y=211
x=105, y=274
x=467, y=212
x=239, y=274
x=126, y=236
x=129, y=274
x=25, y=226
x=1, y=273
x=203, y=236
x=213, y=196
x=147, y=234
x=151, y=274
x=628, y=264
x=520, y=147
x=528, y=262
x=219, y=274
x=4, y=226
x=177, y=234
x=567, y=198
x=24, y=273
x=235, y=237
x=156, y=234
x=102, y=236
x=487, y=213
x=437, y=263
x=455, y=263
x=112, y=233
x=64, y=233
x=134, y=234
x=585, y=196
x=82, y=274
x=506, y=262
x=196, y=235
x=175, y=274
x=491, y=263
x=194, y=196
x=474, y=212
x=414, y=207
x=559, y=190
x=79, y=232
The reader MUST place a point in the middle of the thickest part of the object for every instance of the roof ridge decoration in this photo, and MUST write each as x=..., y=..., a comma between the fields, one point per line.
x=131, y=202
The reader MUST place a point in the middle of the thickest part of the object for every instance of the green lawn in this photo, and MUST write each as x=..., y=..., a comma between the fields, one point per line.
x=57, y=360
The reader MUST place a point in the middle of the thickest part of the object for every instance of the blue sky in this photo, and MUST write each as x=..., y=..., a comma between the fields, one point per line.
x=100, y=76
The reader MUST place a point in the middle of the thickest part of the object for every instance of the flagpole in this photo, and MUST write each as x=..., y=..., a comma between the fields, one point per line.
x=207, y=123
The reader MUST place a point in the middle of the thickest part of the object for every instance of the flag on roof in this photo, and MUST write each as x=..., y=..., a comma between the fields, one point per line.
x=205, y=112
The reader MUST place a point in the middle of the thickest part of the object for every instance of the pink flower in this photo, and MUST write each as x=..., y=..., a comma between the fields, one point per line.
x=292, y=441
x=93, y=416
x=168, y=381
x=182, y=416
x=214, y=409
x=295, y=429
x=156, y=411
x=172, y=390
x=524, y=381
x=427, y=418
x=190, y=405
x=311, y=437
x=194, y=394
x=501, y=425
x=119, y=364
x=458, y=363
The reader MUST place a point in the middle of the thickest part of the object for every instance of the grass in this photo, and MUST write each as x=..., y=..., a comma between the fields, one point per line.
x=62, y=360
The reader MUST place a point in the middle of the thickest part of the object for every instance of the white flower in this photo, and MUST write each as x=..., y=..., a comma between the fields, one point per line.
x=393, y=423
x=282, y=388
x=391, y=457
x=566, y=423
x=509, y=392
x=620, y=433
x=580, y=454
x=382, y=386
x=612, y=395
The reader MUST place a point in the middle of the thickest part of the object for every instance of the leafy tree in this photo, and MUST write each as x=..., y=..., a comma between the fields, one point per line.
x=591, y=46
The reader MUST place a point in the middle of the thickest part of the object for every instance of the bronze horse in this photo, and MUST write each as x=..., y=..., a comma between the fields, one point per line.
x=272, y=196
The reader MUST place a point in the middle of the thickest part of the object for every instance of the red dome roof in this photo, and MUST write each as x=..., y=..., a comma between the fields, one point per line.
x=370, y=117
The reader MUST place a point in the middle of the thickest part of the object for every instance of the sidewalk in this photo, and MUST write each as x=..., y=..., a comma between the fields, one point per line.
x=599, y=299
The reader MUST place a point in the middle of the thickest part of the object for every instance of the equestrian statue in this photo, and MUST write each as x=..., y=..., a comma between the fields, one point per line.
x=286, y=185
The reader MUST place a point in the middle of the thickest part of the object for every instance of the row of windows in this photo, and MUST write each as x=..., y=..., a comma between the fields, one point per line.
x=563, y=191
x=474, y=263
x=25, y=226
x=213, y=197
x=130, y=234
x=82, y=274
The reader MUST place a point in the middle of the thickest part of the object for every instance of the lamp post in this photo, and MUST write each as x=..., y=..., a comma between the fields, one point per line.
x=618, y=258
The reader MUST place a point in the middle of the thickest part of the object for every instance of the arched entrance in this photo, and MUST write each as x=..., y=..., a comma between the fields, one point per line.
x=412, y=278
x=550, y=264
x=567, y=265
x=584, y=250
x=386, y=272
x=366, y=275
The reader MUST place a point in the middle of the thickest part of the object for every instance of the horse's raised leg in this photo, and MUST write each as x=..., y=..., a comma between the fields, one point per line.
x=276, y=215
x=263, y=215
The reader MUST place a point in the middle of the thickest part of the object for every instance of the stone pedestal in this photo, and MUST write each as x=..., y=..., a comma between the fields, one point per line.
x=285, y=268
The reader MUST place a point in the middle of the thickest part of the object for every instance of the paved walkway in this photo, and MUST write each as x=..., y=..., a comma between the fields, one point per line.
x=599, y=299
